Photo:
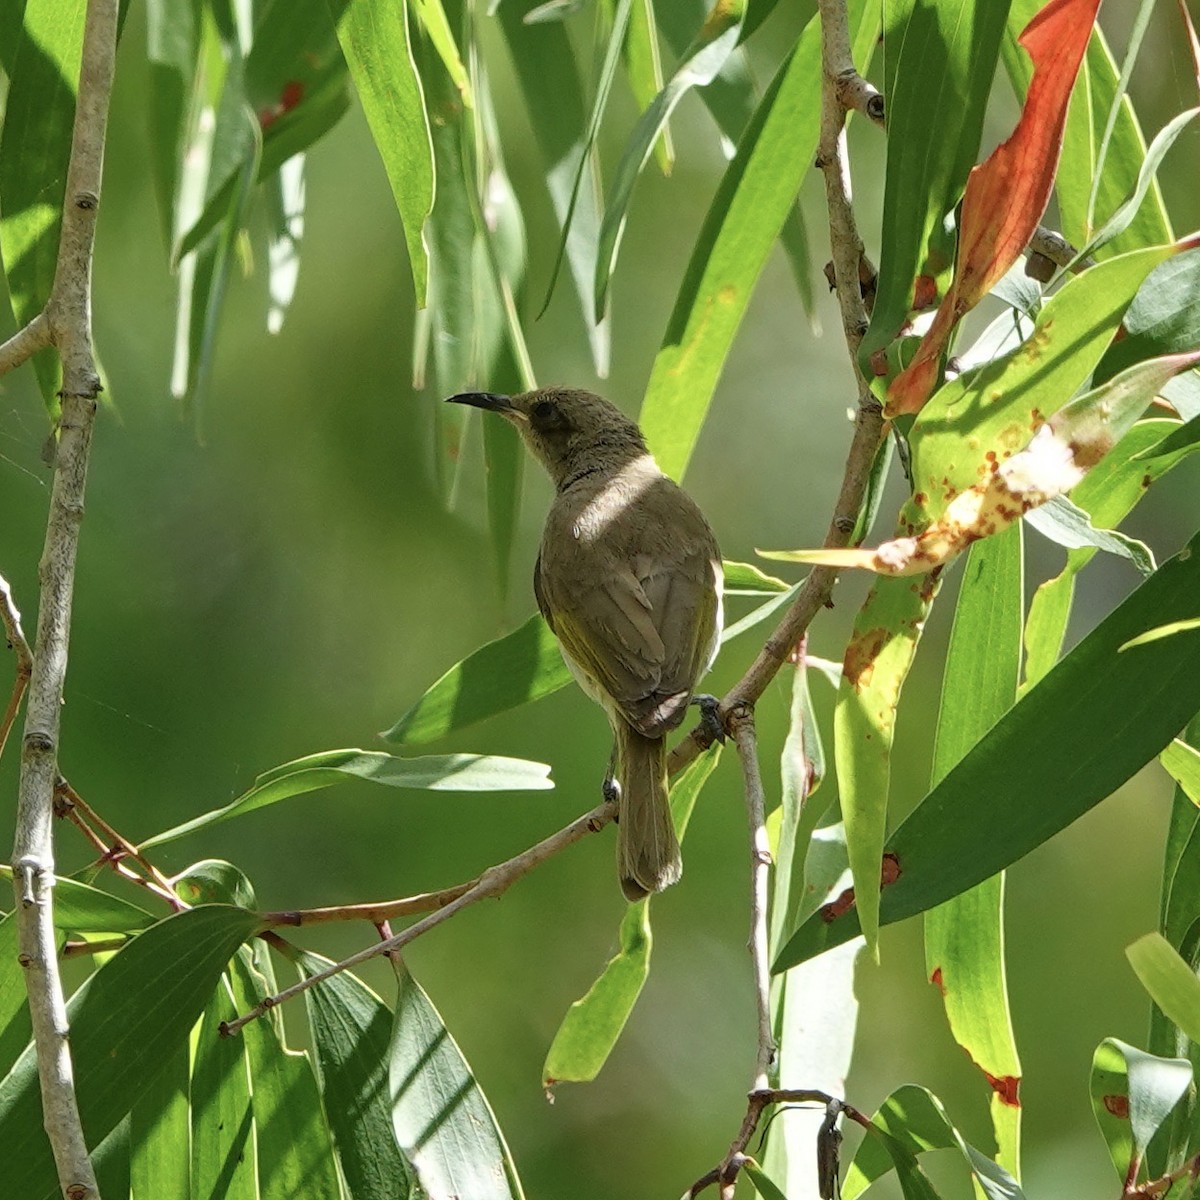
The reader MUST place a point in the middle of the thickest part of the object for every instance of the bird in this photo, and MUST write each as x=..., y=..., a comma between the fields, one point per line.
x=629, y=578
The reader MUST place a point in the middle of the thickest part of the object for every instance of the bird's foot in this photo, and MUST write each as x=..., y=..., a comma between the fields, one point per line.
x=611, y=790
x=710, y=716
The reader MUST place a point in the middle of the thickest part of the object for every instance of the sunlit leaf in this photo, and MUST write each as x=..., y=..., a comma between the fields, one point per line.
x=1170, y=981
x=81, y=908
x=964, y=939
x=222, y=1145
x=441, y=1118
x=713, y=44
x=1043, y=753
x=594, y=1022
x=374, y=38
x=1170, y=629
x=1133, y=1094
x=752, y=203
x=159, y=1129
x=445, y=772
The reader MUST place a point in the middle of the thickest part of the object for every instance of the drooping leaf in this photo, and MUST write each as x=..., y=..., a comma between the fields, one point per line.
x=441, y=1118
x=643, y=68
x=763, y=1184
x=964, y=938
x=1042, y=753
x=1172, y=984
x=351, y=1030
x=594, y=1022
x=126, y=1021
x=374, y=38
x=745, y=579
x=222, y=1146
x=81, y=908
x=159, y=1131
x=547, y=73
x=1065, y=523
x=910, y=1121
x=752, y=202
x=444, y=772
x=702, y=60
x=1133, y=1094
x=940, y=60
x=291, y=1134
x=1006, y=195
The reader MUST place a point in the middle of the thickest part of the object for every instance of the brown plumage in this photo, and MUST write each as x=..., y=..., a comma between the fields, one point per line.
x=629, y=578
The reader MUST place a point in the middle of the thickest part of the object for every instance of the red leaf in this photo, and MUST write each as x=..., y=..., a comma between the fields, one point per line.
x=1006, y=195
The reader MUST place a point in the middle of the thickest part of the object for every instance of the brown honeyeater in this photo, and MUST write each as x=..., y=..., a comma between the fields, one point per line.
x=629, y=578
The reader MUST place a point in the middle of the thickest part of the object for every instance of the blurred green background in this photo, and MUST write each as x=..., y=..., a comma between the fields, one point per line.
x=286, y=581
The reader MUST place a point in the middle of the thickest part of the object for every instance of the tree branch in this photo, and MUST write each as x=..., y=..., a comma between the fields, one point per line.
x=10, y=618
x=493, y=882
x=25, y=343
x=68, y=318
x=376, y=913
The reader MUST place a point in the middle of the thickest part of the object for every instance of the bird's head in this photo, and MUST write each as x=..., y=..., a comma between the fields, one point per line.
x=565, y=428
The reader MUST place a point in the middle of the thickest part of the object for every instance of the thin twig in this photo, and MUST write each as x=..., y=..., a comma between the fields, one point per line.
x=81, y=949
x=10, y=618
x=68, y=317
x=493, y=882
x=757, y=1102
x=25, y=343
x=741, y=726
x=121, y=847
x=377, y=913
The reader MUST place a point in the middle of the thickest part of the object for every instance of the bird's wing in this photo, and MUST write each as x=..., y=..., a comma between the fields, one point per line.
x=684, y=600
x=607, y=630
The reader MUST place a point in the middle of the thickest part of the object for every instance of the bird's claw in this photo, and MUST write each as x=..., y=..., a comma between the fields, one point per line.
x=710, y=716
x=611, y=790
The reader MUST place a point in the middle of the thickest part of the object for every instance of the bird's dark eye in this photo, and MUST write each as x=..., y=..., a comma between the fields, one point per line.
x=547, y=415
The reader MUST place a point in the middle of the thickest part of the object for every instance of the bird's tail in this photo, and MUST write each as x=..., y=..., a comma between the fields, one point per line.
x=648, y=857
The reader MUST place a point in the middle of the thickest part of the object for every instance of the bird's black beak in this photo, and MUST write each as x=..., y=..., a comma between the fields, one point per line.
x=487, y=400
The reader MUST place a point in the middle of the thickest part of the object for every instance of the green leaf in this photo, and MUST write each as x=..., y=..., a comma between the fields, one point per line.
x=432, y=17
x=442, y=772
x=1123, y=217
x=214, y=881
x=1043, y=749
x=754, y=198
x=964, y=939
x=15, y=1029
x=1169, y=980
x=940, y=59
x=547, y=73
x=172, y=44
x=909, y=1122
x=126, y=1021
x=1133, y=1094
x=745, y=579
x=159, y=1131
x=351, y=1029
x=81, y=908
x=594, y=1022
x=441, y=1118
x=374, y=38
x=1164, y=317
x=643, y=68
x=604, y=82
x=222, y=1148
x=1182, y=763
x=1065, y=523
x=521, y=666
x=721, y=32
x=292, y=1135
x=763, y=1184
x=1171, y=629
x=34, y=148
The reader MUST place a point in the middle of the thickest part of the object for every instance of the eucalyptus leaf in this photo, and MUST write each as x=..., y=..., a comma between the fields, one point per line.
x=1069, y=526
x=445, y=772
